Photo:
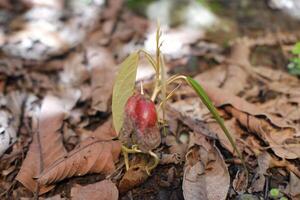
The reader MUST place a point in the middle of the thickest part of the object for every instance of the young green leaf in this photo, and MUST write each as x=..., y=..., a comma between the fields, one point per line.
x=123, y=88
x=296, y=49
x=208, y=103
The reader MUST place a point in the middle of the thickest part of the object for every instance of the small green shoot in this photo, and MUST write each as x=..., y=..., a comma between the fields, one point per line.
x=125, y=84
x=275, y=193
x=294, y=65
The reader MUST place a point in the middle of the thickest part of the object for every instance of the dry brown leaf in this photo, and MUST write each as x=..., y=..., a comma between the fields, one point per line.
x=103, y=132
x=240, y=182
x=287, y=108
x=177, y=149
x=55, y=197
x=103, y=190
x=223, y=97
x=205, y=175
x=91, y=156
x=103, y=70
x=47, y=144
x=235, y=131
x=282, y=140
x=294, y=186
x=135, y=176
x=264, y=163
x=196, y=122
x=225, y=77
x=10, y=116
x=273, y=130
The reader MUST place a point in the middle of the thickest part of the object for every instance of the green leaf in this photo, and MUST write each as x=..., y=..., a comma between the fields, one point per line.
x=296, y=49
x=208, y=103
x=123, y=88
x=274, y=193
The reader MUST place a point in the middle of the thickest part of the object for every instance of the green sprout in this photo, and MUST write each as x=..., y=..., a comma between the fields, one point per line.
x=275, y=193
x=294, y=65
x=125, y=85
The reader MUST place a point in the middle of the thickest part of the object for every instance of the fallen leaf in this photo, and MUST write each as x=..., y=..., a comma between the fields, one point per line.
x=103, y=70
x=10, y=115
x=91, y=156
x=103, y=190
x=293, y=187
x=247, y=197
x=223, y=97
x=177, y=149
x=282, y=140
x=240, y=182
x=273, y=130
x=103, y=132
x=205, y=175
x=225, y=77
x=264, y=163
x=55, y=197
x=47, y=144
x=74, y=72
x=135, y=175
x=40, y=32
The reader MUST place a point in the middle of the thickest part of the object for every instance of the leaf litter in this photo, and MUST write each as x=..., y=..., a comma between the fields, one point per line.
x=62, y=125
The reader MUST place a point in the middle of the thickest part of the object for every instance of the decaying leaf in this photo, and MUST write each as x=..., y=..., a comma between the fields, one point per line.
x=103, y=190
x=264, y=163
x=123, y=88
x=10, y=115
x=177, y=149
x=240, y=182
x=103, y=72
x=205, y=175
x=294, y=186
x=91, y=156
x=103, y=132
x=40, y=33
x=135, y=176
x=281, y=137
x=226, y=78
x=282, y=140
x=47, y=144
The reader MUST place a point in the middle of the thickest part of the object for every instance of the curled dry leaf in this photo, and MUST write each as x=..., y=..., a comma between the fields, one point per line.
x=103, y=190
x=222, y=97
x=205, y=175
x=273, y=130
x=135, y=176
x=47, y=144
x=91, y=156
x=282, y=140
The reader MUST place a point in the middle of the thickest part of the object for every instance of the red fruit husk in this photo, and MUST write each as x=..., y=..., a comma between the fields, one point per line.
x=140, y=125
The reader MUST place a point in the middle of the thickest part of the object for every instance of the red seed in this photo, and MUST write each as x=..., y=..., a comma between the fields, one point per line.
x=141, y=123
x=142, y=111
